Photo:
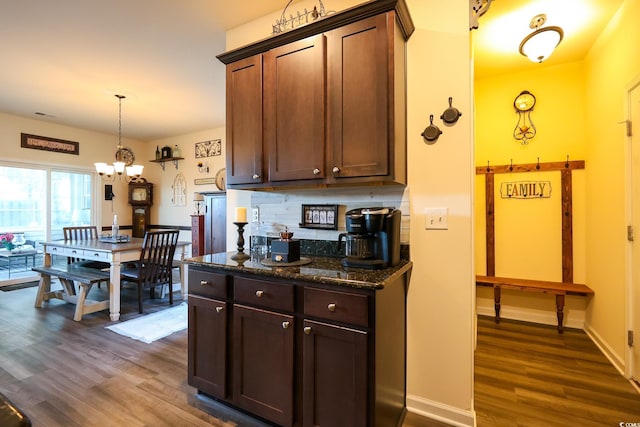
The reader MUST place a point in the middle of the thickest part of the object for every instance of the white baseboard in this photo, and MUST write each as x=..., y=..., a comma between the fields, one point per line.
x=440, y=412
x=615, y=359
x=576, y=320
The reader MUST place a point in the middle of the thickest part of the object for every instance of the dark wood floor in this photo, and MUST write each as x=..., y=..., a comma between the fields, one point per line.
x=66, y=373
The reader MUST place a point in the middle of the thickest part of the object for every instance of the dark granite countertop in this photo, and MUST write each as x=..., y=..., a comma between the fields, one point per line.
x=326, y=270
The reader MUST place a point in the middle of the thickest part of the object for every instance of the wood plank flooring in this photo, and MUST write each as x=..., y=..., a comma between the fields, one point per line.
x=66, y=373
x=529, y=375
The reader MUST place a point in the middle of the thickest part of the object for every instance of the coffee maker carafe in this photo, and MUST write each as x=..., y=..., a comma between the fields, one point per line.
x=372, y=238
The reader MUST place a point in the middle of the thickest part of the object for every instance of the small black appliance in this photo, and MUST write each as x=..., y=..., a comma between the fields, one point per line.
x=372, y=240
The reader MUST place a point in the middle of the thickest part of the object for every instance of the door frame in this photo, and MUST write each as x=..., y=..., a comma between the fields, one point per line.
x=632, y=289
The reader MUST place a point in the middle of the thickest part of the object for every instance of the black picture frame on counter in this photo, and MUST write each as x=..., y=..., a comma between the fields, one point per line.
x=320, y=216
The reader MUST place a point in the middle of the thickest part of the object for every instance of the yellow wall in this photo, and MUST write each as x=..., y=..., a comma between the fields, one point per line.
x=579, y=110
x=528, y=232
x=611, y=65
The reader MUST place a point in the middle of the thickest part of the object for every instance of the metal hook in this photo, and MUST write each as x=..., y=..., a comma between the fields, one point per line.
x=538, y=165
x=566, y=165
x=488, y=167
x=511, y=166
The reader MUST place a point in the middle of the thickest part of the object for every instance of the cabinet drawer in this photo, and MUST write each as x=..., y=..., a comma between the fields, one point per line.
x=337, y=306
x=208, y=284
x=263, y=294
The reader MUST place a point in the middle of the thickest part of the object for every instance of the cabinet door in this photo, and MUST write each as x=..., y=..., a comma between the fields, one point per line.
x=360, y=107
x=215, y=224
x=294, y=109
x=207, y=364
x=244, y=121
x=334, y=376
x=263, y=363
x=197, y=235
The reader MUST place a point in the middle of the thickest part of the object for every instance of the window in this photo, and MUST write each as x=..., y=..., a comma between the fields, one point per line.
x=39, y=201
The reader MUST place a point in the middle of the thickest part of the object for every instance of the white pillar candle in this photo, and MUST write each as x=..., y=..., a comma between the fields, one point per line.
x=241, y=215
x=115, y=218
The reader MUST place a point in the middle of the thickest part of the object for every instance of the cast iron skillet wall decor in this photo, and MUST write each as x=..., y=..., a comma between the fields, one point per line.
x=451, y=114
x=431, y=133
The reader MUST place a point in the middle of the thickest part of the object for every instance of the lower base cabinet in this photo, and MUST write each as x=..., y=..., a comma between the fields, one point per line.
x=334, y=376
x=263, y=363
x=298, y=353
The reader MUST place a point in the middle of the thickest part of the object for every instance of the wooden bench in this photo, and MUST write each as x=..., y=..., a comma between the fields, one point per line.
x=559, y=289
x=68, y=274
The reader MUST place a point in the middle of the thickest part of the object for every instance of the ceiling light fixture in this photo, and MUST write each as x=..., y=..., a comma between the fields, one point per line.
x=540, y=44
x=124, y=157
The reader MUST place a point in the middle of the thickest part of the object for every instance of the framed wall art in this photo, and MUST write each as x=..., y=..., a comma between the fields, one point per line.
x=208, y=148
x=320, y=216
x=49, y=144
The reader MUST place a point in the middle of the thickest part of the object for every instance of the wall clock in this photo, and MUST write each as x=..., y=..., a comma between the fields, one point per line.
x=140, y=193
x=525, y=129
x=125, y=154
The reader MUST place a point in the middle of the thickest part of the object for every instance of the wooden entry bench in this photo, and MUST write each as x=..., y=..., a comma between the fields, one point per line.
x=68, y=274
x=559, y=289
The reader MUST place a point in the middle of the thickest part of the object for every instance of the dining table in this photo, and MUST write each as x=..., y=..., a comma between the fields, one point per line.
x=115, y=254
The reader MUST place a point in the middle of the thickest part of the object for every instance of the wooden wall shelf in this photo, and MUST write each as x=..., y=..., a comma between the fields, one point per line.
x=168, y=159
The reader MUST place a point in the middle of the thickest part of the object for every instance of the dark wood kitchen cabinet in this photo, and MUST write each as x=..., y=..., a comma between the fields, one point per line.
x=263, y=363
x=294, y=110
x=207, y=341
x=334, y=100
x=244, y=121
x=299, y=353
x=197, y=235
x=366, y=101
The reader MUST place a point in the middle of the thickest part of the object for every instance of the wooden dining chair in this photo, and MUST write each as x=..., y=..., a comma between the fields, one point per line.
x=154, y=268
x=84, y=232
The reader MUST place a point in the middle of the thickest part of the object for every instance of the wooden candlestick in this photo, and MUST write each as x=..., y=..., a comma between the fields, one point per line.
x=240, y=256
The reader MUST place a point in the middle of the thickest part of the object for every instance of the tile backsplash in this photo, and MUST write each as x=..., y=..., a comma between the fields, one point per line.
x=280, y=210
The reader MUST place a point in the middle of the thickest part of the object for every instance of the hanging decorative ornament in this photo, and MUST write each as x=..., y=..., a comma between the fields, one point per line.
x=525, y=129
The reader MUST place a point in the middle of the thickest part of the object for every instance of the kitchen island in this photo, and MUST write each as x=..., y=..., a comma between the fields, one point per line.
x=309, y=345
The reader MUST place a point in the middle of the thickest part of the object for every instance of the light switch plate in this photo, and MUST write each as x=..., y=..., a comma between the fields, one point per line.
x=255, y=215
x=436, y=218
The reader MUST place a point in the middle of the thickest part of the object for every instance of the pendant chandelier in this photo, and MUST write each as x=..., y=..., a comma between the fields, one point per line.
x=541, y=43
x=124, y=157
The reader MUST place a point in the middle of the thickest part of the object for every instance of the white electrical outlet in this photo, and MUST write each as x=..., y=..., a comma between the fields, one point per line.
x=436, y=218
x=255, y=215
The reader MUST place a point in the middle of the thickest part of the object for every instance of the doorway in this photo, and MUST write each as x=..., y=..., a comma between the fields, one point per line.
x=634, y=240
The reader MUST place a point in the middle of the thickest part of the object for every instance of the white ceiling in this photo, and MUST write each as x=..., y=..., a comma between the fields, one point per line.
x=66, y=59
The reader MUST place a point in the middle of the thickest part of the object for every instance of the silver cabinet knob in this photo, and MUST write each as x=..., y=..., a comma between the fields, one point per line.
x=285, y=325
x=259, y=294
x=203, y=283
x=335, y=169
x=331, y=307
x=316, y=171
x=255, y=176
x=307, y=330
x=219, y=309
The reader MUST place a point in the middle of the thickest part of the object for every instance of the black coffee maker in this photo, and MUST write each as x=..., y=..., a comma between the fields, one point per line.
x=372, y=240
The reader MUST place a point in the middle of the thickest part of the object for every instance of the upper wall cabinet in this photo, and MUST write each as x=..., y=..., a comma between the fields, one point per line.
x=323, y=104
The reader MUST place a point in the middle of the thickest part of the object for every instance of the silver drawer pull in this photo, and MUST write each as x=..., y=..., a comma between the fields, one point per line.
x=203, y=283
x=74, y=252
x=219, y=309
x=331, y=307
x=285, y=325
x=259, y=294
x=335, y=169
x=96, y=254
x=255, y=176
x=307, y=330
x=316, y=171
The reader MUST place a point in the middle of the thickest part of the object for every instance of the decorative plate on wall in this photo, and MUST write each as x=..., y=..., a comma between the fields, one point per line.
x=221, y=179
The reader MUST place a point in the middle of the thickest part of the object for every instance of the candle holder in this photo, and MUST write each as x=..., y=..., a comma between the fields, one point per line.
x=240, y=256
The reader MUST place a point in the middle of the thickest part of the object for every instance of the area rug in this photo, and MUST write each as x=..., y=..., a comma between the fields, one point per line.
x=154, y=326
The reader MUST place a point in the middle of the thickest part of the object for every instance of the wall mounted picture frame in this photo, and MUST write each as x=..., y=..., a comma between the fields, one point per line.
x=45, y=143
x=208, y=148
x=320, y=216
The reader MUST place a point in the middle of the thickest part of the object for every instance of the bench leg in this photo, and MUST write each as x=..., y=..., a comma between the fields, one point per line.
x=496, y=300
x=84, y=289
x=560, y=311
